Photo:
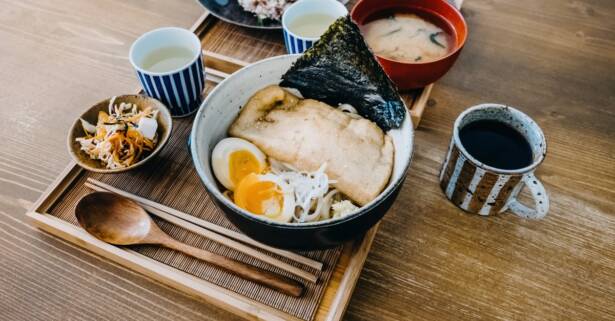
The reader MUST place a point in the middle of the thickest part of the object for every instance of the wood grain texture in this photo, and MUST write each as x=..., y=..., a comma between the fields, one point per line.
x=552, y=59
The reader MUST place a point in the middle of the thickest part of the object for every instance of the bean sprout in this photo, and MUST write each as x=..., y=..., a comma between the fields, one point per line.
x=311, y=191
x=350, y=110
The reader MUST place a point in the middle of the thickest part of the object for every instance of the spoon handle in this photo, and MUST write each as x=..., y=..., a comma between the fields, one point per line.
x=248, y=272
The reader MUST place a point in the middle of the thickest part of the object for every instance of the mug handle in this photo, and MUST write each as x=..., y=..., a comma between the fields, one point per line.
x=541, y=200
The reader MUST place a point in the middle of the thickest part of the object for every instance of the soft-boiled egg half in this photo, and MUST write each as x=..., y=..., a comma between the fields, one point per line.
x=234, y=158
x=266, y=195
x=241, y=167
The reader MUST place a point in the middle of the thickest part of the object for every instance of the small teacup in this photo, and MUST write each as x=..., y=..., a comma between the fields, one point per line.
x=169, y=65
x=304, y=10
x=478, y=188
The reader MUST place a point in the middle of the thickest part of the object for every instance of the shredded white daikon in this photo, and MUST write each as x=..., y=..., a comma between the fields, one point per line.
x=110, y=108
x=311, y=191
x=350, y=110
x=343, y=208
x=118, y=139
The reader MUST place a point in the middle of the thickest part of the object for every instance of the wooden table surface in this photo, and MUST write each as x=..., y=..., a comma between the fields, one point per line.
x=553, y=59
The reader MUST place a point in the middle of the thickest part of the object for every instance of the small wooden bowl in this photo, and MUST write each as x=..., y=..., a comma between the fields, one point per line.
x=165, y=124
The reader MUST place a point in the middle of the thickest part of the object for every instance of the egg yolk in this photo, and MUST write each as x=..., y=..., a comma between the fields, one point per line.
x=242, y=163
x=259, y=197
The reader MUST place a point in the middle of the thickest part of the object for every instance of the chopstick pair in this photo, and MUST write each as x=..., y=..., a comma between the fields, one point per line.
x=217, y=233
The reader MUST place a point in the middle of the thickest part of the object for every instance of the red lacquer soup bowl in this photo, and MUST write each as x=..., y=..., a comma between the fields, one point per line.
x=410, y=75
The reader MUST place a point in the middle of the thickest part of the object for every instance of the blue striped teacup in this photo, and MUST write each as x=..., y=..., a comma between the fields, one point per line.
x=178, y=78
x=305, y=10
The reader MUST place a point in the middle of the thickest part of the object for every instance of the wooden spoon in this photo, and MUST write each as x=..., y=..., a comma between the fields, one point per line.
x=121, y=221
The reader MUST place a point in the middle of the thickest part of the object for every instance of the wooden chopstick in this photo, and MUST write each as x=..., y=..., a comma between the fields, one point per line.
x=214, y=75
x=213, y=227
x=217, y=237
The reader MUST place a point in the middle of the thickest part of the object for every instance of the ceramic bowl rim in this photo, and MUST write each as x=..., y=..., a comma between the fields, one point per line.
x=295, y=5
x=133, y=48
x=515, y=111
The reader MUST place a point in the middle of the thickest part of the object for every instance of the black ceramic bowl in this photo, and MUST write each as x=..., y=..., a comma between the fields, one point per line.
x=232, y=12
x=212, y=121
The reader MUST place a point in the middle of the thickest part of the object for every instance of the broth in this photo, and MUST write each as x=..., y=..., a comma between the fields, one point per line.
x=167, y=59
x=407, y=37
x=311, y=25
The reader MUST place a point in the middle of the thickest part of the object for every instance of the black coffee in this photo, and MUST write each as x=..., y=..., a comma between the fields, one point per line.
x=496, y=144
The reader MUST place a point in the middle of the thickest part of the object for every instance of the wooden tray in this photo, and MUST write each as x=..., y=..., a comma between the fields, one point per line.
x=227, y=48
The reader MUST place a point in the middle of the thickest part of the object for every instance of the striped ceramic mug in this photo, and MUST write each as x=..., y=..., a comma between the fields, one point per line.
x=481, y=189
x=177, y=78
x=295, y=43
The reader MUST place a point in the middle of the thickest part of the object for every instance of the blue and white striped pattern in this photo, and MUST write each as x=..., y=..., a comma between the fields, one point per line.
x=179, y=91
x=295, y=45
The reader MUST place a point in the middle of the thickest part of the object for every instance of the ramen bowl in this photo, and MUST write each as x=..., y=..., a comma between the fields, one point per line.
x=217, y=113
x=410, y=75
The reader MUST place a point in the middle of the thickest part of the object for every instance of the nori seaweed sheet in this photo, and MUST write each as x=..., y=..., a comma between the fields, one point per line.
x=340, y=69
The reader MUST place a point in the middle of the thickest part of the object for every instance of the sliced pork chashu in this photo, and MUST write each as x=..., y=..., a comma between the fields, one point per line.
x=306, y=133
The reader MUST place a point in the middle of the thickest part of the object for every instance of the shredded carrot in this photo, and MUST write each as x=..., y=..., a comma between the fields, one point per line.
x=116, y=140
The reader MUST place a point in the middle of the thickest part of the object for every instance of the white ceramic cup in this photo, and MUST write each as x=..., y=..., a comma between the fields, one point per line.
x=180, y=89
x=298, y=44
x=481, y=189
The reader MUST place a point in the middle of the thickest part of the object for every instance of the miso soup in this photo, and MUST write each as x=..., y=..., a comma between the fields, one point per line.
x=407, y=37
